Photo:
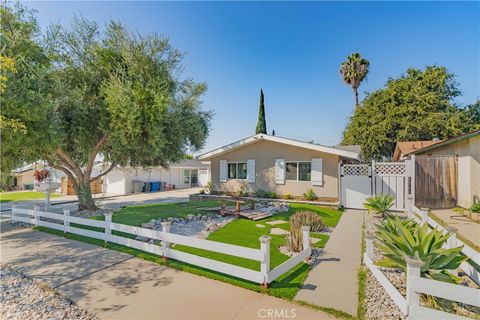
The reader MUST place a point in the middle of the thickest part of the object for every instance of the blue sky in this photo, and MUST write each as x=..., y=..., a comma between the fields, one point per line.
x=293, y=51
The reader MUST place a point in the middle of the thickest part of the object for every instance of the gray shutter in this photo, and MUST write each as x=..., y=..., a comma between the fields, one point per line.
x=223, y=170
x=280, y=171
x=317, y=172
x=251, y=171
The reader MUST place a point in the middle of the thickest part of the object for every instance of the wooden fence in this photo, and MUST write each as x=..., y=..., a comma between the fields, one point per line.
x=264, y=276
x=435, y=181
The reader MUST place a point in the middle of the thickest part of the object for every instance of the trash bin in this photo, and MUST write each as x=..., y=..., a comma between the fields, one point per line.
x=154, y=186
x=146, y=187
x=137, y=186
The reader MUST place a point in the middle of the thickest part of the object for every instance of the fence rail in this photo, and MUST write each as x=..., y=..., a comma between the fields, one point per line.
x=264, y=276
x=410, y=305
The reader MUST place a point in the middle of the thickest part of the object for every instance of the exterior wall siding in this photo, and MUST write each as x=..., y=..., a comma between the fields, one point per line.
x=265, y=153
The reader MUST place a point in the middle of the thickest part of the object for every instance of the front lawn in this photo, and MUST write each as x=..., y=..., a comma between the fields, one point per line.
x=25, y=196
x=240, y=232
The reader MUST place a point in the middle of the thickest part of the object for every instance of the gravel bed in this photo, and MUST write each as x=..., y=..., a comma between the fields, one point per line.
x=379, y=305
x=23, y=298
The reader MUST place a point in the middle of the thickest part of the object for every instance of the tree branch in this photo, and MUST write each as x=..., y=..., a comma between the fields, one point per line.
x=93, y=154
x=64, y=170
x=69, y=163
x=113, y=165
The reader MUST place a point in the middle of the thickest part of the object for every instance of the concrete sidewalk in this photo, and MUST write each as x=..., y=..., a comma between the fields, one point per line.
x=114, y=285
x=333, y=280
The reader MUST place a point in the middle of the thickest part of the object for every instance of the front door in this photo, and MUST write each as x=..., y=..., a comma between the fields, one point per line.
x=194, y=178
x=186, y=178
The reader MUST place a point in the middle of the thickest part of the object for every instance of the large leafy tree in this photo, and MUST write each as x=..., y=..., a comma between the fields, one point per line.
x=112, y=93
x=353, y=71
x=416, y=106
x=261, y=122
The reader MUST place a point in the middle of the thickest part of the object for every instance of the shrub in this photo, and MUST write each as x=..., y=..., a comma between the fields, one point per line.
x=208, y=187
x=288, y=196
x=260, y=193
x=310, y=195
x=202, y=191
x=475, y=207
x=243, y=193
x=294, y=241
x=399, y=239
x=379, y=204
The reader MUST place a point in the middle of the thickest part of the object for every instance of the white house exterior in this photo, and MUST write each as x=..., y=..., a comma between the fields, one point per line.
x=183, y=174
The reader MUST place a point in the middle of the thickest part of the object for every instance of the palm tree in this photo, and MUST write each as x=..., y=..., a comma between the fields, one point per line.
x=353, y=71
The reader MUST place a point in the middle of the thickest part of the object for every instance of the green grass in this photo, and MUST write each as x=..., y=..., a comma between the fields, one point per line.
x=362, y=279
x=240, y=232
x=25, y=196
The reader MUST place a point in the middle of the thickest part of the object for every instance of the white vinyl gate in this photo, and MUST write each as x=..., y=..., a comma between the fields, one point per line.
x=360, y=181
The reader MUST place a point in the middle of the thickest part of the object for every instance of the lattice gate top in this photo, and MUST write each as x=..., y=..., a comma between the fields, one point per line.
x=389, y=168
x=356, y=169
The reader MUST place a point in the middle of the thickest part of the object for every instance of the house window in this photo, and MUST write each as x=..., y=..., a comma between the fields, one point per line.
x=237, y=170
x=232, y=171
x=241, y=170
x=304, y=171
x=298, y=171
x=291, y=171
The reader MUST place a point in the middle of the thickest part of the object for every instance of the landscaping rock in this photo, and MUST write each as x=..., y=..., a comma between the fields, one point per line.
x=23, y=298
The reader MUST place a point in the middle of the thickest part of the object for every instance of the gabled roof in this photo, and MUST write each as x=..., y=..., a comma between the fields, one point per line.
x=407, y=147
x=265, y=137
x=449, y=141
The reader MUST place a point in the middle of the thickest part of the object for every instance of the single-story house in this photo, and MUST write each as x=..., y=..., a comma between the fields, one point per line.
x=183, y=174
x=466, y=148
x=404, y=148
x=277, y=164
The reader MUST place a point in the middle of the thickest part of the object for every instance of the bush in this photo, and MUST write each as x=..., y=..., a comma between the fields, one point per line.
x=379, y=204
x=243, y=193
x=405, y=238
x=260, y=193
x=288, y=196
x=310, y=195
x=294, y=241
x=475, y=207
x=202, y=191
x=208, y=187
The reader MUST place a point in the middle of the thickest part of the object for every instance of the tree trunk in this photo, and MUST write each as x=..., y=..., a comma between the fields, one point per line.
x=355, y=90
x=84, y=194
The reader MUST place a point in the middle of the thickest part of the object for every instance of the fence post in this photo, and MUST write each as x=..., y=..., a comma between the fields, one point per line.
x=108, y=227
x=35, y=214
x=66, y=223
x=12, y=218
x=452, y=243
x=306, y=237
x=369, y=243
x=424, y=217
x=413, y=274
x=165, y=243
x=265, y=263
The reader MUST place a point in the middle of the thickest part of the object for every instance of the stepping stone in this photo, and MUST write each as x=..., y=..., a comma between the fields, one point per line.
x=260, y=226
x=275, y=222
x=278, y=231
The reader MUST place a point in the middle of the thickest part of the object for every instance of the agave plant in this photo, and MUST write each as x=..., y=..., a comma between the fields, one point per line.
x=379, y=204
x=294, y=241
x=405, y=238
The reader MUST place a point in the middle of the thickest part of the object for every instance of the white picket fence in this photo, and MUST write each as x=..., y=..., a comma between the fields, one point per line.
x=264, y=276
x=410, y=306
x=422, y=217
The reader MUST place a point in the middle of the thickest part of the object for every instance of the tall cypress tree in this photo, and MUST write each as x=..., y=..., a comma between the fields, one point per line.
x=261, y=124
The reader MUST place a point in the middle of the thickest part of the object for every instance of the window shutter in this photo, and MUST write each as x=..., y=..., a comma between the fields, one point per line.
x=251, y=171
x=317, y=172
x=223, y=170
x=280, y=171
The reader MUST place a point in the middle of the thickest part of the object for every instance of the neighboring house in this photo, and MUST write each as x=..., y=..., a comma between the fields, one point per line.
x=405, y=148
x=277, y=164
x=467, y=150
x=24, y=175
x=182, y=174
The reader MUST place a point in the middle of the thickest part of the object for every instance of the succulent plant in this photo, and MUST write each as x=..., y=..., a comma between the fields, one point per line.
x=405, y=238
x=379, y=204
